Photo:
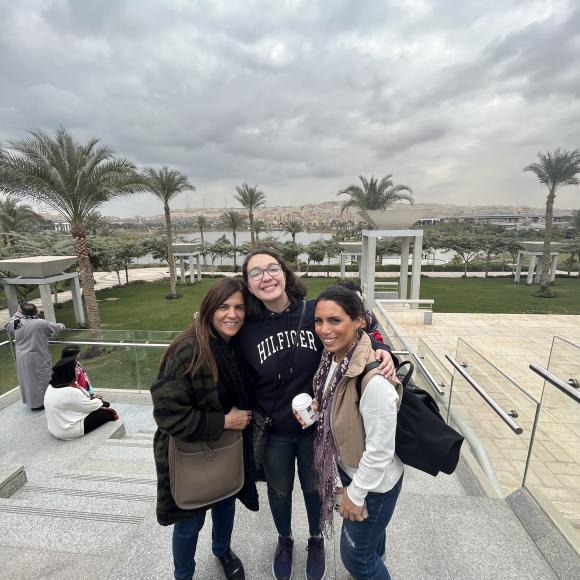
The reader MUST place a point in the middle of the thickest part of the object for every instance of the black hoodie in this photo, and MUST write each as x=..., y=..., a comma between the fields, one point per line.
x=266, y=345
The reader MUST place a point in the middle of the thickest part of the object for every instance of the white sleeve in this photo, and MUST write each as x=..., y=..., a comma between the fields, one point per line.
x=81, y=403
x=378, y=407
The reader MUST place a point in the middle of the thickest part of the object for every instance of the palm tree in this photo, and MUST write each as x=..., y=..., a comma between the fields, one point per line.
x=259, y=227
x=73, y=179
x=15, y=218
x=293, y=227
x=375, y=194
x=165, y=184
x=201, y=223
x=232, y=220
x=250, y=198
x=554, y=169
x=95, y=222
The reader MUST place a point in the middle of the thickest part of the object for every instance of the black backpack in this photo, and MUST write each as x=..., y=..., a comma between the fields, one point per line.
x=423, y=440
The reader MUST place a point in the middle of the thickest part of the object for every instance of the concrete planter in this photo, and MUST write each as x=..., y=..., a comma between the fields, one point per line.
x=38, y=266
x=185, y=248
x=539, y=246
x=397, y=218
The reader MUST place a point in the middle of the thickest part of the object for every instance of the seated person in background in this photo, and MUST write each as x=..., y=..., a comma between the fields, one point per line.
x=82, y=378
x=371, y=324
x=73, y=350
x=70, y=412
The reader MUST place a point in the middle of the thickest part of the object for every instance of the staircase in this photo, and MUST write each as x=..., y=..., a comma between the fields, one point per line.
x=88, y=511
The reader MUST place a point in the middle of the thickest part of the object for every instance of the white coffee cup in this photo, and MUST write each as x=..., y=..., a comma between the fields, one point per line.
x=302, y=404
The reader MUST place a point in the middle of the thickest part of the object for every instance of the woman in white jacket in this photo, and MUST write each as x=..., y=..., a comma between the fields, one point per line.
x=70, y=412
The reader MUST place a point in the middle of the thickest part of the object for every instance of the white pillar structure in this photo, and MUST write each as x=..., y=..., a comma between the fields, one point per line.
x=342, y=264
x=75, y=288
x=531, y=268
x=47, y=306
x=404, y=269
x=519, y=265
x=369, y=245
x=416, y=269
x=189, y=256
x=198, y=264
x=554, y=267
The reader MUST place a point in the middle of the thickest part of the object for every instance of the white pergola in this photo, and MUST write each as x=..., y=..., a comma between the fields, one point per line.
x=350, y=249
x=369, y=256
x=190, y=252
x=535, y=252
x=42, y=271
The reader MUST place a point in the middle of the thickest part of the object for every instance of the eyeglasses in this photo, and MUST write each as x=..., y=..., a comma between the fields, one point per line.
x=258, y=273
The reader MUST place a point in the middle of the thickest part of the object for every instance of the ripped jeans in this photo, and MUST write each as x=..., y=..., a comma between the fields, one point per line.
x=362, y=544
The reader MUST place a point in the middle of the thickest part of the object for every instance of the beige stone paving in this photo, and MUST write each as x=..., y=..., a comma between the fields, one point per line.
x=511, y=342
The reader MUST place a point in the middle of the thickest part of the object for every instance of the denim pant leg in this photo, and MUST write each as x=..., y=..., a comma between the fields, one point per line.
x=361, y=543
x=185, y=535
x=307, y=476
x=222, y=517
x=279, y=460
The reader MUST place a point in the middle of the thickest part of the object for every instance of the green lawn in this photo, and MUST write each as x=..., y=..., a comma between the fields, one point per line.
x=500, y=295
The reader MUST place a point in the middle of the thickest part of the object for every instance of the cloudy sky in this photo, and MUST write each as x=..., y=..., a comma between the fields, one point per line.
x=301, y=96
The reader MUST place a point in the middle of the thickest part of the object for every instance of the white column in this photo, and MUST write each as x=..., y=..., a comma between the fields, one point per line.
x=519, y=268
x=404, y=270
x=363, y=264
x=531, y=267
x=539, y=266
x=75, y=289
x=554, y=267
x=191, y=270
x=416, y=272
x=182, y=267
x=342, y=264
x=370, y=271
x=46, y=296
x=198, y=268
x=11, y=298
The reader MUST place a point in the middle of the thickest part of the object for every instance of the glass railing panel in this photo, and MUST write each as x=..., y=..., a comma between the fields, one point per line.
x=507, y=451
x=8, y=378
x=553, y=476
x=435, y=371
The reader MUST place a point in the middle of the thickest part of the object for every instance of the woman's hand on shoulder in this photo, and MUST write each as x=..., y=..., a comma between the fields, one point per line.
x=387, y=367
x=237, y=419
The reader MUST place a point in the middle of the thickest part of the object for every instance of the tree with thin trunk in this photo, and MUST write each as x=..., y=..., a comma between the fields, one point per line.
x=73, y=179
x=375, y=194
x=554, y=169
x=234, y=221
x=293, y=227
x=250, y=198
x=166, y=184
x=259, y=227
x=201, y=223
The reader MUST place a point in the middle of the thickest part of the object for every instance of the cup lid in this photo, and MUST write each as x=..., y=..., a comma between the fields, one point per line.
x=301, y=401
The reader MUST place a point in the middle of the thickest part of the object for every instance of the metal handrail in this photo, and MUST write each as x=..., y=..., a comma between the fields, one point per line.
x=561, y=385
x=5, y=342
x=101, y=343
x=501, y=413
x=429, y=376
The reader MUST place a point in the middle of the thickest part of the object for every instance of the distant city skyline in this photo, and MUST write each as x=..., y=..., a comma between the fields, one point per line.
x=300, y=97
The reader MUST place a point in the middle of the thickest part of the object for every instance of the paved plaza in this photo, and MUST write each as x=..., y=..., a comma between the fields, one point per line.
x=511, y=342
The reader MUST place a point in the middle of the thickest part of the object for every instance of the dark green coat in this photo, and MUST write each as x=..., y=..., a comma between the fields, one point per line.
x=187, y=409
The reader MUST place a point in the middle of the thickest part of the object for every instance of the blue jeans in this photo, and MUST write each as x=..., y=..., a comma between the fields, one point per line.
x=186, y=533
x=280, y=456
x=362, y=544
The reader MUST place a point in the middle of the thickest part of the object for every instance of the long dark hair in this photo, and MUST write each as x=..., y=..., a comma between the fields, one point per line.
x=345, y=298
x=295, y=290
x=201, y=330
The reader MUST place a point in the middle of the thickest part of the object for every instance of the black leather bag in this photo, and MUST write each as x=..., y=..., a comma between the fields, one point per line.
x=423, y=440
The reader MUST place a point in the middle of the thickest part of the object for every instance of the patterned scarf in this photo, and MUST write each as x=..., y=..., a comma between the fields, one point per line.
x=324, y=451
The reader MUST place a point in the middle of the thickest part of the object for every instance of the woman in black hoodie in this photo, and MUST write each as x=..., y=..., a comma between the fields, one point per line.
x=273, y=313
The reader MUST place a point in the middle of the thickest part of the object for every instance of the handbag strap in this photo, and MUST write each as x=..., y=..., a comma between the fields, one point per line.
x=282, y=377
x=374, y=364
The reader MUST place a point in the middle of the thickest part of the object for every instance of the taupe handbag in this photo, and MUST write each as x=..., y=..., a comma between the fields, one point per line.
x=205, y=472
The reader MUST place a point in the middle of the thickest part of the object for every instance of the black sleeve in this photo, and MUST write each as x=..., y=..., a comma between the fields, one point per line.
x=377, y=345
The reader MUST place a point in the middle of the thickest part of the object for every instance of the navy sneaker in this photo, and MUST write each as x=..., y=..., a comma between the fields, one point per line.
x=315, y=563
x=282, y=564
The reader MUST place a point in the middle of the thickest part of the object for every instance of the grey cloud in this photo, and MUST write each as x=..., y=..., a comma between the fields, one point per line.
x=302, y=95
